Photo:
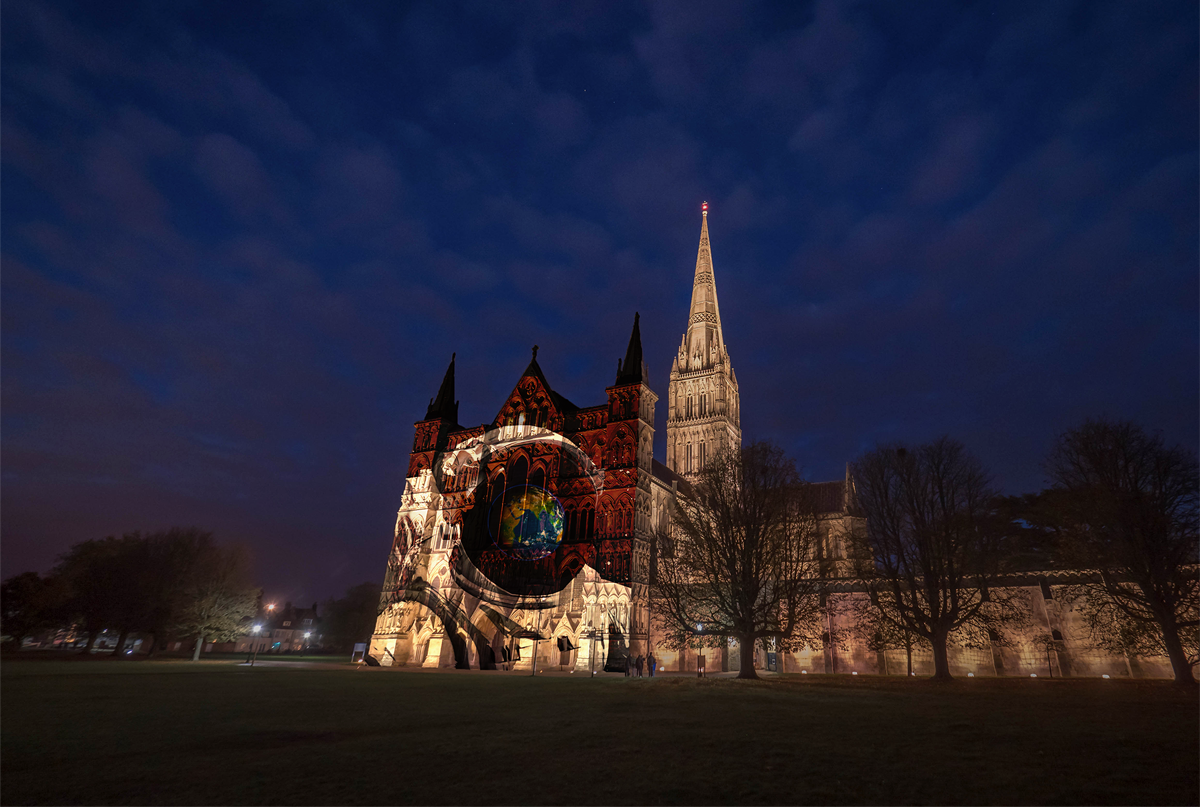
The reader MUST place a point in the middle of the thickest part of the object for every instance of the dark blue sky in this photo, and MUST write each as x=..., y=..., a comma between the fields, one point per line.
x=240, y=241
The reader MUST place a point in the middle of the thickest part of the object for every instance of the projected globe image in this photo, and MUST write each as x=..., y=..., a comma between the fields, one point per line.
x=530, y=522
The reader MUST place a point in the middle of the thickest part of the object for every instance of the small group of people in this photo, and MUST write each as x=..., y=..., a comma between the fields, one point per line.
x=636, y=665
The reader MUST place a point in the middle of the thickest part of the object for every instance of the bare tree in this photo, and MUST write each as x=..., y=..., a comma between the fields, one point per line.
x=216, y=601
x=1112, y=629
x=166, y=568
x=931, y=545
x=739, y=559
x=1130, y=505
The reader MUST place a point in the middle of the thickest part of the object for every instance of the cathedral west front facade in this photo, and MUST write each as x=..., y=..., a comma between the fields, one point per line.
x=535, y=530
x=532, y=535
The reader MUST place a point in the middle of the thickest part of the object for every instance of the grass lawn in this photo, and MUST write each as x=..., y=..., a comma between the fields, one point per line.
x=173, y=732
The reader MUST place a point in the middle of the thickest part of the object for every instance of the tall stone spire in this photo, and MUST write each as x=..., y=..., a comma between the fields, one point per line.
x=703, y=406
x=703, y=344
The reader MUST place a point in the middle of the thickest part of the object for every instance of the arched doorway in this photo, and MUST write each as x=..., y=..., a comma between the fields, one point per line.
x=458, y=628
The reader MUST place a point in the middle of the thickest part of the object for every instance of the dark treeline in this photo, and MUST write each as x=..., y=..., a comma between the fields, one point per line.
x=350, y=619
x=175, y=583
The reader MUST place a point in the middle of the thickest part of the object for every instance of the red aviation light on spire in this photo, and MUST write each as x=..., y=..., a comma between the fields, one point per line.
x=704, y=207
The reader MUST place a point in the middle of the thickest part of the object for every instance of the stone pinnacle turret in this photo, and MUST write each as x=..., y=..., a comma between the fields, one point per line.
x=444, y=406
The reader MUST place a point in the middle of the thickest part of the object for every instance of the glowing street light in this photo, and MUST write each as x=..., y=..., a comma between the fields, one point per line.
x=254, y=642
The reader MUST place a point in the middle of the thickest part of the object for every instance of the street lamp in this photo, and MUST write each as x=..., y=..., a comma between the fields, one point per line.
x=254, y=644
x=307, y=636
x=699, y=647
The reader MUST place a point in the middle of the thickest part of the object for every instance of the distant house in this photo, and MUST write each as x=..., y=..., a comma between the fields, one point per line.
x=284, y=630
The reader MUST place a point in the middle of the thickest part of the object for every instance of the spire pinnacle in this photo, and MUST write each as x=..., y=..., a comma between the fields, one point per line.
x=444, y=407
x=632, y=371
x=704, y=344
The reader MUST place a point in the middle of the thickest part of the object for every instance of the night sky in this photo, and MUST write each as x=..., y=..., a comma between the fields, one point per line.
x=241, y=241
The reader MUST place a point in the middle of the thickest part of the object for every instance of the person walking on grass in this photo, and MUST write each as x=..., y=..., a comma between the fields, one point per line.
x=651, y=663
x=628, y=666
x=640, y=661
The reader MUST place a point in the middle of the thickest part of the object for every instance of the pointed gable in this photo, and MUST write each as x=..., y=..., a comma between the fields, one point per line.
x=535, y=400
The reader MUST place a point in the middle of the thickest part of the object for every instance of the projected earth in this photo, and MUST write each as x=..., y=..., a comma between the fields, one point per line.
x=530, y=522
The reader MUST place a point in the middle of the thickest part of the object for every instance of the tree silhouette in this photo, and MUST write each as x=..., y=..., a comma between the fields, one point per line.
x=739, y=558
x=351, y=618
x=29, y=603
x=931, y=546
x=1129, y=506
x=215, y=600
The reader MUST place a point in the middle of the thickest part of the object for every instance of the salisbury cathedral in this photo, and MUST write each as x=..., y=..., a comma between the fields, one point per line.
x=528, y=540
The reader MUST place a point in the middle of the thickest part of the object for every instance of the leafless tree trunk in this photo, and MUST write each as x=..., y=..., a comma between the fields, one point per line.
x=739, y=556
x=1131, y=508
x=217, y=602
x=929, y=546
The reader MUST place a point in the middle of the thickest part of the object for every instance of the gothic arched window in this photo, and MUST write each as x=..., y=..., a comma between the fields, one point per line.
x=518, y=472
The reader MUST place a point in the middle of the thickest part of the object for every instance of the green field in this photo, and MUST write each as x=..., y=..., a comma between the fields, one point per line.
x=173, y=732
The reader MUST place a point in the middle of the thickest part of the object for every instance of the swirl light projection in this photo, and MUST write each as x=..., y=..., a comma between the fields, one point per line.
x=517, y=544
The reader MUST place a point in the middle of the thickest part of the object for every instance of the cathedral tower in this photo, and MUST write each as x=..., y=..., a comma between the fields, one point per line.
x=703, y=408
